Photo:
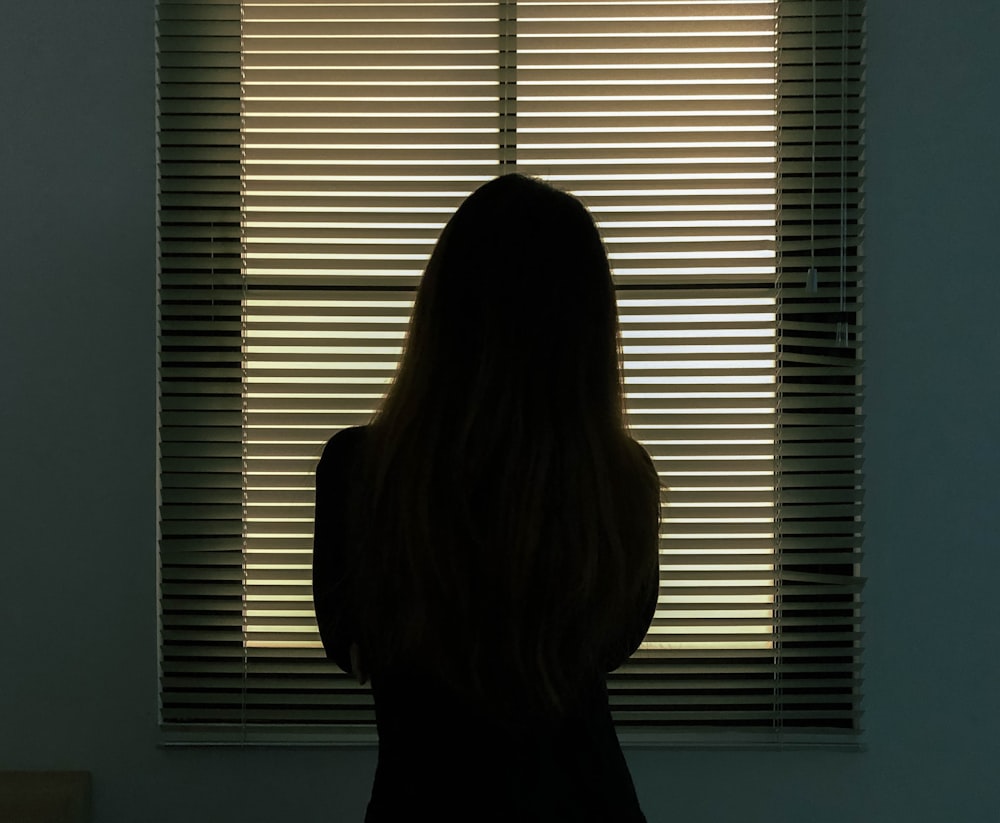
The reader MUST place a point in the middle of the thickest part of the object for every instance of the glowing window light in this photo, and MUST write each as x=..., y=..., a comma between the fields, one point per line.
x=656, y=333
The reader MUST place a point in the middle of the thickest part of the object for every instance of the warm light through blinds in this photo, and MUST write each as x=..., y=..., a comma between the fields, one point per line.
x=321, y=150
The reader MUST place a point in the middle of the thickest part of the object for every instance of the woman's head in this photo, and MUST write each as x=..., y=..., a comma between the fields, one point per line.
x=516, y=304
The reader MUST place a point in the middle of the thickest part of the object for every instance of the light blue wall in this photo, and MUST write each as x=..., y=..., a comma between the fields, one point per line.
x=77, y=623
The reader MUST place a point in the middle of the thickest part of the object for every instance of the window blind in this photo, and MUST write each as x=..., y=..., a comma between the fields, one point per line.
x=309, y=155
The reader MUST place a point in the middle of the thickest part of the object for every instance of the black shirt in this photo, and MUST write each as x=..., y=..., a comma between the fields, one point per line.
x=443, y=758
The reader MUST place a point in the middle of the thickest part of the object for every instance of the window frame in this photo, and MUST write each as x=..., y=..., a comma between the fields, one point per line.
x=203, y=276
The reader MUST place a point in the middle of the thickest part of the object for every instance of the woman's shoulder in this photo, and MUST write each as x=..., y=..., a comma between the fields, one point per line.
x=640, y=459
x=637, y=448
x=344, y=444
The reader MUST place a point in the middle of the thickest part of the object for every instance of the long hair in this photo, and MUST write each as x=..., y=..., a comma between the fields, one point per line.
x=508, y=518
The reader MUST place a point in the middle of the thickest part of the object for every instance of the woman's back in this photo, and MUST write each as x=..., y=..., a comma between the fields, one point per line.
x=455, y=755
x=458, y=762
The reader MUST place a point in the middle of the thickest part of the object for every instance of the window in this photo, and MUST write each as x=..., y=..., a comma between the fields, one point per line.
x=309, y=153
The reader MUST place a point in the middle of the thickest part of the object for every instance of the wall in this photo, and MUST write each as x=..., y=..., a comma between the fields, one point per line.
x=77, y=688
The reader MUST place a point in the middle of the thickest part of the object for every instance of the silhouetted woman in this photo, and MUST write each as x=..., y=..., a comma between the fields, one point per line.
x=486, y=549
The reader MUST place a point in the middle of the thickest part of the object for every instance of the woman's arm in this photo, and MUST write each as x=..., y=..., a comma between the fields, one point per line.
x=335, y=476
x=644, y=529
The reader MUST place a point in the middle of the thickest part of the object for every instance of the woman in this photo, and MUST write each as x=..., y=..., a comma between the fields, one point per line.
x=486, y=549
